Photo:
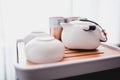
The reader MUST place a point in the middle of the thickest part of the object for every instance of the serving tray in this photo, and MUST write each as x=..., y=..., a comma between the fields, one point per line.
x=75, y=62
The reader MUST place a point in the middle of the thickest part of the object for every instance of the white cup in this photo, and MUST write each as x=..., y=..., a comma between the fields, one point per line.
x=44, y=50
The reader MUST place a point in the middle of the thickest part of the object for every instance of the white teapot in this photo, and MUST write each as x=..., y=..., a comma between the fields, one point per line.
x=82, y=34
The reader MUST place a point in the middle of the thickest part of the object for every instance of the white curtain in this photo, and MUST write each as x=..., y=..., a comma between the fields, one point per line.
x=20, y=17
x=2, y=66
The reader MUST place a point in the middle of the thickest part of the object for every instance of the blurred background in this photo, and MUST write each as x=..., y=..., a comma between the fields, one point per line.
x=20, y=17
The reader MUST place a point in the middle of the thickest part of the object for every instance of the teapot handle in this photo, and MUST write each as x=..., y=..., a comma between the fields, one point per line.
x=105, y=34
x=103, y=31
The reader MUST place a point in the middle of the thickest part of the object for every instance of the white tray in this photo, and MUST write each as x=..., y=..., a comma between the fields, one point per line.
x=74, y=63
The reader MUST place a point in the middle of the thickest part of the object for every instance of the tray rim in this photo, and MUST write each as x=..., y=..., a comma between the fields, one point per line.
x=58, y=64
x=51, y=65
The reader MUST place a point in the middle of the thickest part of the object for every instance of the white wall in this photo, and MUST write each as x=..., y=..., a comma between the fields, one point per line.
x=86, y=8
x=109, y=18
